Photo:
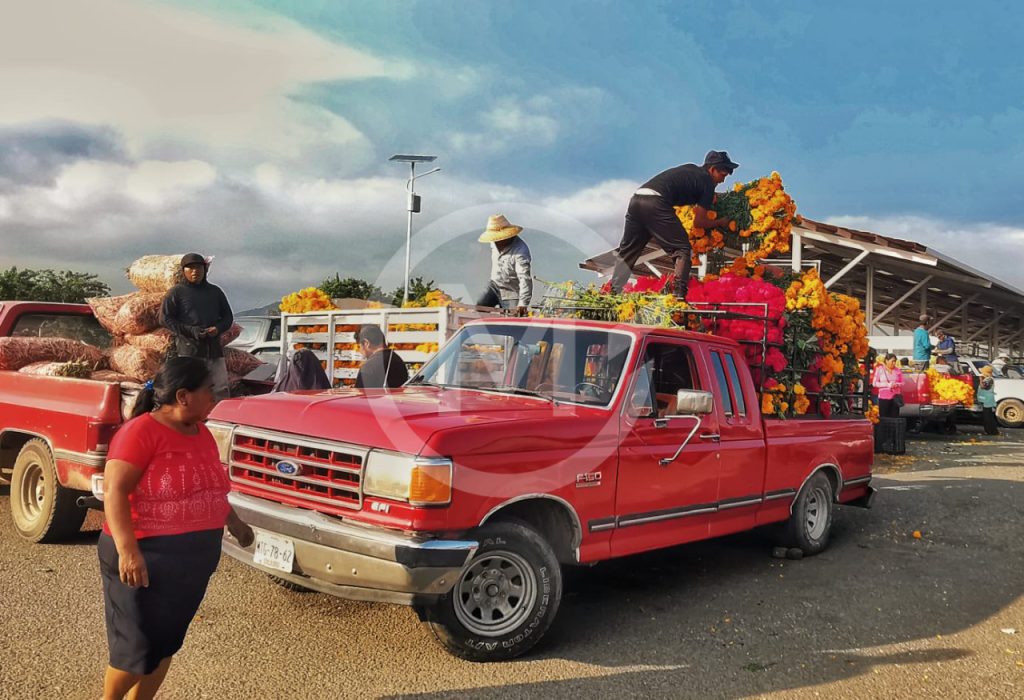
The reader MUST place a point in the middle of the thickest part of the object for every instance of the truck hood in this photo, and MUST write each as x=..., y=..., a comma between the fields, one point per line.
x=397, y=419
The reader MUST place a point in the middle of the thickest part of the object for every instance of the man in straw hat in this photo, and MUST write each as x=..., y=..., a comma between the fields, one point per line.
x=511, y=285
x=651, y=215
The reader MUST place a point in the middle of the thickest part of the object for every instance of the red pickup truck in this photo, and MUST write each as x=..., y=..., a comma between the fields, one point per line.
x=522, y=446
x=54, y=431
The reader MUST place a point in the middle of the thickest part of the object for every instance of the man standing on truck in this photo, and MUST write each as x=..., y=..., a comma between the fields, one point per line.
x=383, y=368
x=946, y=348
x=197, y=312
x=651, y=214
x=922, y=344
x=511, y=283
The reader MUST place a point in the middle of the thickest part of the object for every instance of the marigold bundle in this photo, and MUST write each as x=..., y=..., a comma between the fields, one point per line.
x=135, y=362
x=77, y=369
x=105, y=309
x=946, y=388
x=156, y=273
x=763, y=214
x=240, y=362
x=158, y=341
x=304, y=300
x=16, y=352
x=140, y=314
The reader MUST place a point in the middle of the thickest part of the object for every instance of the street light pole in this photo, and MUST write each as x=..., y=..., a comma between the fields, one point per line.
x=412, y=205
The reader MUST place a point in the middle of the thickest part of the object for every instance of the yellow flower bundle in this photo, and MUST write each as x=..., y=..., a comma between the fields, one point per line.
x=764, y=214
x=872, y=413
x=946, y=388
x=308, y=299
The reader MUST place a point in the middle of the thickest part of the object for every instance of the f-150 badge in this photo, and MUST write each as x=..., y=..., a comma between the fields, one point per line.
x=588, y=479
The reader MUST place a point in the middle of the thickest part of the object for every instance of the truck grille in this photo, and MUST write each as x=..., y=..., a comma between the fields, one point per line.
x=329, y=477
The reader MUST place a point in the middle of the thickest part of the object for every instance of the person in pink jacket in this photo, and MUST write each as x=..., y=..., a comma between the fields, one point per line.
x=888, y=382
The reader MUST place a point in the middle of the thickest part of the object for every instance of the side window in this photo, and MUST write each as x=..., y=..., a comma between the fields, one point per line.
x=723, y=384
x=737, y=388
x=275, y=329
x=668, y=368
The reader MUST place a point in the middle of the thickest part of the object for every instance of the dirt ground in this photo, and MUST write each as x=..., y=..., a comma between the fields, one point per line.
x=918, y=597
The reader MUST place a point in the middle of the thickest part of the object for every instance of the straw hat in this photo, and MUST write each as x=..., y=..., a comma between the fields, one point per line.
x=499, y=229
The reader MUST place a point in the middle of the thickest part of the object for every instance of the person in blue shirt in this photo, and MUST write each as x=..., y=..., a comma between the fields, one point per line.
x=946, y=347
x=922, y=343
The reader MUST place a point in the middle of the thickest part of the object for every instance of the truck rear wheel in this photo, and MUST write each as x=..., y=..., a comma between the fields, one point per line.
x=42, y=509
x=505, y=599
x=1010, y=413
x=811, y=520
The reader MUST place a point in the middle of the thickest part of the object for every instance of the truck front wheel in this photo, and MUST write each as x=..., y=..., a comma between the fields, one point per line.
x=811, y=520
x=1010, y=413
x=505, y=599
x=42, y=509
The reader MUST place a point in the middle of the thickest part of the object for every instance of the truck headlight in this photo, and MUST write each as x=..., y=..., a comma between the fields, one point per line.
x=222, y=433
x=420, y=481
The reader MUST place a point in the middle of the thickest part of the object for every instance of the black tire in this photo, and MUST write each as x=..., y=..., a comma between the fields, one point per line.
x=505, y=599
x=1010, y=413
x=810, y=524
x=42, y=509
x=288, y=585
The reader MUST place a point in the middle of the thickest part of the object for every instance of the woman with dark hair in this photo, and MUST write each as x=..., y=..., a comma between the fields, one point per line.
x=303, y=372
x=888, y=381
x=165, y=498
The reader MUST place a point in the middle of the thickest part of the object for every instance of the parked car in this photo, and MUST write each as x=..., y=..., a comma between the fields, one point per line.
x=54, y=431
x=1009, y=391
x=521, y=446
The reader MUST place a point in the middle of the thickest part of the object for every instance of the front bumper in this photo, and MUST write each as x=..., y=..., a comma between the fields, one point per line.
x=350, y=561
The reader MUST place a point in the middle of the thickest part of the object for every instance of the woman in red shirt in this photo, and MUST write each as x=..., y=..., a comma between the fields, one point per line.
x=165, y=499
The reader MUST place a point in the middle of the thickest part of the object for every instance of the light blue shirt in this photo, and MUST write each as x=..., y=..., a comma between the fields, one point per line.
x=922, y=345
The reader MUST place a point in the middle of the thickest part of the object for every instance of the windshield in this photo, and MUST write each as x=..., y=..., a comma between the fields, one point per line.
x=251, y=328
x=562, y=364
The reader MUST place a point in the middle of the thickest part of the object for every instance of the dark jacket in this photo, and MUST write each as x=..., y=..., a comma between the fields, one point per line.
x=304, y=373
x=188, y=309
x=384, y=369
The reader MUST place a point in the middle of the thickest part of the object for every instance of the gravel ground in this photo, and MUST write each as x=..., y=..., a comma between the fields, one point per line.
x=882, y=613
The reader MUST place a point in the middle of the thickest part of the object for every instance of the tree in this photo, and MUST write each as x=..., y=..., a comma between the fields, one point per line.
x=64, y=286
x=351, y=288
x=417, y=289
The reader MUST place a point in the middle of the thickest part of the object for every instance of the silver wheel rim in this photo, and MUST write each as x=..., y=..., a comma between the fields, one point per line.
x=33, y=492
x=817, y=510
x=495, y=594
x=1012, y=413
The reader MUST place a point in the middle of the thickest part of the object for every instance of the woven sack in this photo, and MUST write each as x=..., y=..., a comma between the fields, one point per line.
x=140, y=314
x=240, y=362
x=159, y=340
x=16, y=352
x=230, y=334
x=105, y=309
x=135, y=362
x=80, y=370
x=156, y=273
x=109, y=375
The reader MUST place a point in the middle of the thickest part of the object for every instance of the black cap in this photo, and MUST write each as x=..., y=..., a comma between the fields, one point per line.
x=192, y=259
x=720, y=160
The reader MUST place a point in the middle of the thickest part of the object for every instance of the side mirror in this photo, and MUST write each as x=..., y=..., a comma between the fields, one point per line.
x=694, y=402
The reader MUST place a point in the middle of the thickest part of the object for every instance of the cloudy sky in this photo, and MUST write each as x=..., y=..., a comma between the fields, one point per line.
x=259, y=131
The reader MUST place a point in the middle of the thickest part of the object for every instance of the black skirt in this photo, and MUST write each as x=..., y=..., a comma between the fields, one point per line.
x=147, y=625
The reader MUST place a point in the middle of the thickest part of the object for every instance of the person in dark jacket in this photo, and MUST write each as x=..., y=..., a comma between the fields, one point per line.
x=651, y=214
x=304, y=372
x=197, y=312
x=383, y=367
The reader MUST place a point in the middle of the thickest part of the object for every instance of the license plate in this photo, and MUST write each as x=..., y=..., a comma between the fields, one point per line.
x=274, y=552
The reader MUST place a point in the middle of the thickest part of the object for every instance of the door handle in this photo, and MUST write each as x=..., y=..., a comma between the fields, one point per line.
x=710, y=436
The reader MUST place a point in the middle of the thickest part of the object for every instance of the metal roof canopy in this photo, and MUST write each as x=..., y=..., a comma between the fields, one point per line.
x=896, y=281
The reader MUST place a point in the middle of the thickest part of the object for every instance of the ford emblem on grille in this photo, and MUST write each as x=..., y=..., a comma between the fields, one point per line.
x=288, y=468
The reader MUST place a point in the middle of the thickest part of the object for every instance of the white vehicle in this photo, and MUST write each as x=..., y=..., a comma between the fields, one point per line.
x=1009, y=390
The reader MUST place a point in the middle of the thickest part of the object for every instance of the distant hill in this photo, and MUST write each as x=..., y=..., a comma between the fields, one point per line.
x=268, y=310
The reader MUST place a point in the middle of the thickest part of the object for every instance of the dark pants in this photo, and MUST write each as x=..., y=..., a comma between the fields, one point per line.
x=988, y=419
x=887, y=408
x=492, y=298
x=648, y=217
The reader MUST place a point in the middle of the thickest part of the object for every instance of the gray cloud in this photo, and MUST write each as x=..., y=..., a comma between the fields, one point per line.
x=35, y=153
